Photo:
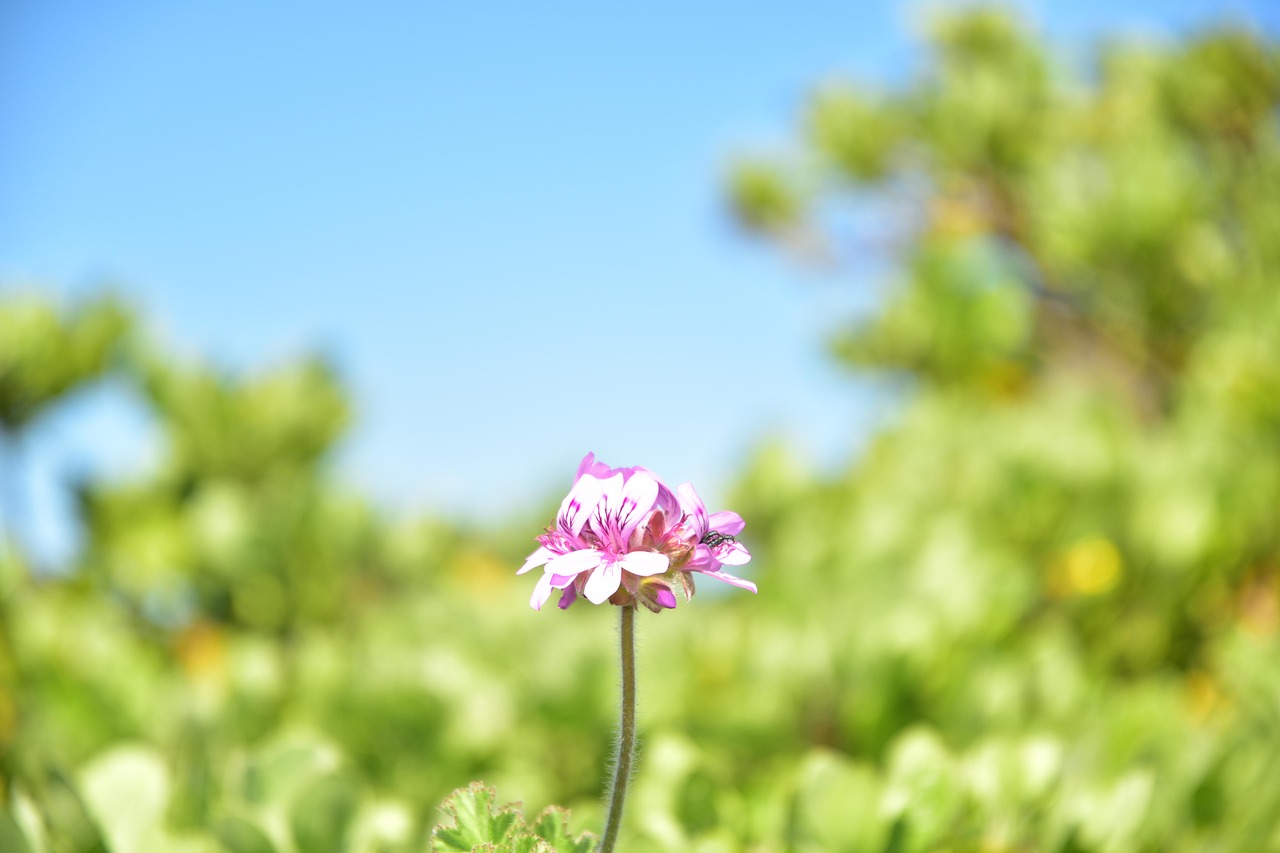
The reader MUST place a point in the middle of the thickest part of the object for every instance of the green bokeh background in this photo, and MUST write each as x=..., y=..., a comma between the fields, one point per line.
x=1040, y=610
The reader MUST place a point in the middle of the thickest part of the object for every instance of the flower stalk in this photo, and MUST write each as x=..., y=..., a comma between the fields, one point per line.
x=626, y=744
x=623, y=537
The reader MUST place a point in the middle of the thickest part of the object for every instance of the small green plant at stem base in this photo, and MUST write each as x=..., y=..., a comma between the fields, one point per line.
x=479, y=825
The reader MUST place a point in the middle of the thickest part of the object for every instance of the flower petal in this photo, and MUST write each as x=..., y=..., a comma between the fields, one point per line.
x=732, y=554
x=584, y=467
x=667, y=501
x=702, y=560
x=694, y=508
x=645, y=563
x=726, y=522
x=537, y=558
x=575, y=562
x=541, y=592
x=638, y=497
x=604, y=582
x=579, y=504
x=607, y=506
x=730, y=579
x=568, y=597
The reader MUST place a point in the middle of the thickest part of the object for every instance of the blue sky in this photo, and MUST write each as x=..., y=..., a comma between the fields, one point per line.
x=504, y=222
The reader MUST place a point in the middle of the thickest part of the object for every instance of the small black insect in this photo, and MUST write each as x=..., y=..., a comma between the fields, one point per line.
x=713, y=539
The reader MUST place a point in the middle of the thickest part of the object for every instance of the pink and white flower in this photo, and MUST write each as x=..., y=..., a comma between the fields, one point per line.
x=622, y=536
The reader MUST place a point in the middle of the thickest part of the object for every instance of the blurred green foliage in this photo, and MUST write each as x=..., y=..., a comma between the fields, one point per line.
x=44, y=355
x=1040, y=612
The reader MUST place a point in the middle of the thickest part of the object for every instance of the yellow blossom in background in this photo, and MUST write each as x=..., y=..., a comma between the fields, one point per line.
x=1090, y=567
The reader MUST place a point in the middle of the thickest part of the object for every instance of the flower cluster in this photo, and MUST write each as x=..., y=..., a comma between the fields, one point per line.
x=622, y=536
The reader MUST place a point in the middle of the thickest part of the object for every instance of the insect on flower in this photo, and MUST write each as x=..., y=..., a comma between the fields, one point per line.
x=714, y=539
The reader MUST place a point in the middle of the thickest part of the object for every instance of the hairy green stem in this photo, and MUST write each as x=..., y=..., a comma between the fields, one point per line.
x=626, y=747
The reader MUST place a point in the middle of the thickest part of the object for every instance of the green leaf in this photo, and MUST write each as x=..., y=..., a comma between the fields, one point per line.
x=923, y=788
x=47, y=350
x=480, y=827
x=763, y=198
x=837, y=804
x=65, y=814
x=11, y=835
x=238, y=835
x=525, y=843
x=475, y=820
x=127, y=791
x=553, y=826
x=322, y=814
